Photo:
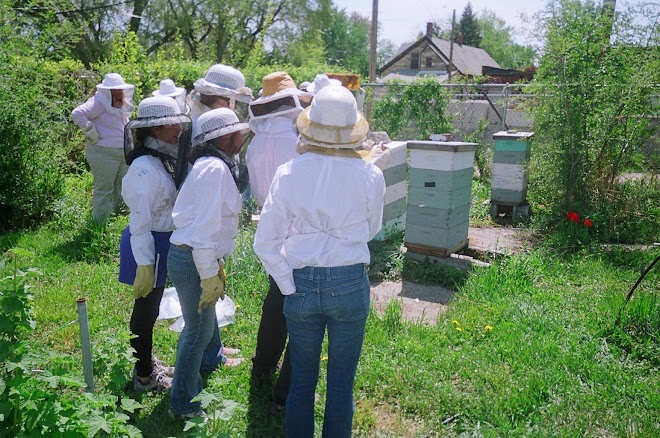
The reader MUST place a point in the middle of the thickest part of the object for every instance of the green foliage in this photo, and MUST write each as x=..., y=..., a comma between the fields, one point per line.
x=594, y=88
x=346, y=41
x=29, y=377
x=469, y=27
x=412, y=111
x=35, y=138
x=497, y=40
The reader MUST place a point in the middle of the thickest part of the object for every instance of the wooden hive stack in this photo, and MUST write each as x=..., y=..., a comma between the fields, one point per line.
x=439, y=193
x=510, y=173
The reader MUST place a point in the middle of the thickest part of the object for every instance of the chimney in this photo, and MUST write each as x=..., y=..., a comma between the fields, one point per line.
x=429, y=30
x=459, y=39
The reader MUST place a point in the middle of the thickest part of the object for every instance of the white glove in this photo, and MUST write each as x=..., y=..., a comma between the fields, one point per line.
x=381, y=156
x=90, y=132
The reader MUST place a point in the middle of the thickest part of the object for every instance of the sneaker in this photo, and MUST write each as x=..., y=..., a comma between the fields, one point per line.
x=234, y=361
x=161, y=368
x=157, y=383
x=189, y=416
x=230, y=351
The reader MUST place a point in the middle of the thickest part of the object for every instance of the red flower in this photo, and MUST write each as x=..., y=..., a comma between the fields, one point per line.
x=587, y=222
x=576, y=219
x=572, y=215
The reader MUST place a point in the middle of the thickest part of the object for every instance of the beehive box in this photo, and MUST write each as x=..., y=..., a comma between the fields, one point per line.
x=394, y=211
x=439, y=190
x=510, y=167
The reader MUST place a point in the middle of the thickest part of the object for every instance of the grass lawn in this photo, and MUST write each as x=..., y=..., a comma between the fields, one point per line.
x=527, y=348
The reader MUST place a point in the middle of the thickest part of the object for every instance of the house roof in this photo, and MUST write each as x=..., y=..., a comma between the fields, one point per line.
x=466, y=59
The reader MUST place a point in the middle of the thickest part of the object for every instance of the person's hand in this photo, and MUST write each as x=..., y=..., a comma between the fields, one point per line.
x=213, y=288
x=90, y=132
x=144, y=281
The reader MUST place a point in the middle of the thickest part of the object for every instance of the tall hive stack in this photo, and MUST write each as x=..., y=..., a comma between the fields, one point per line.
x=510, y=172
x=439, y=191
x=394, y=212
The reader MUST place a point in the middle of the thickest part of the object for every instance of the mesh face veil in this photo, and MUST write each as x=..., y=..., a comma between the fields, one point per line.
x=160, y=130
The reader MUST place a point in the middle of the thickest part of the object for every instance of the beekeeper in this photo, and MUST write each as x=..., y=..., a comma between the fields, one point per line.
x=322, y=209
x=155, y=146
x=167, y=88
x=206, y=219
x=102, y=119
x=221, y=87
x=274, y=143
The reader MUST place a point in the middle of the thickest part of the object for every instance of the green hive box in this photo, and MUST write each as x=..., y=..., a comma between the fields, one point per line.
x=439, y=191
x=510, y=170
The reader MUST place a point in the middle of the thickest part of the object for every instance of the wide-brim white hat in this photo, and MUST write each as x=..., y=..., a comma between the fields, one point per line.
x=158, y=111
x=333, y=120
x=114, y=81
x=168, y=89
x=321, y=81
x=217, y=123
x=223, y=80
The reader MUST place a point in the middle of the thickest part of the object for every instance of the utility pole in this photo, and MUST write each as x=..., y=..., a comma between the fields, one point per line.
x=374, y=42
x=451, y=44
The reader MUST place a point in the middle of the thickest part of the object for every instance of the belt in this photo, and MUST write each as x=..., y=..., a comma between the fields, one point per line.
x=182, y=247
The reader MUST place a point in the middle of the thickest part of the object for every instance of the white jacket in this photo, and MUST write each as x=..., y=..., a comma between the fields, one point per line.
x=206, y=214
x=320, y=211
x=274, y=144
x=149, y=191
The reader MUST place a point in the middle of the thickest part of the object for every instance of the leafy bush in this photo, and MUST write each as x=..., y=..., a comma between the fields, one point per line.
x=594, y=88
x=414, y=111
x=35, y=137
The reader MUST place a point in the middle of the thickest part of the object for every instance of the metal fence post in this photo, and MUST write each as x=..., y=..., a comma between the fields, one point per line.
x=85, y=344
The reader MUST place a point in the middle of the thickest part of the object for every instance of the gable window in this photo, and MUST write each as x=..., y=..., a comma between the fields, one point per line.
x=414, y=61
x=429, y=61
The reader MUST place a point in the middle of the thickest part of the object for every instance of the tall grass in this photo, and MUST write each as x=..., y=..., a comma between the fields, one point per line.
x=528, y=347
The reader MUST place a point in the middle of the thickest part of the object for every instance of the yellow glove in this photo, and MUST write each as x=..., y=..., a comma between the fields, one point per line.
x=213, y=288
x=144, y=281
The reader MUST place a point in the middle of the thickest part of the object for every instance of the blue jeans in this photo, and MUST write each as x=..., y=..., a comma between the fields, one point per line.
x=199, y=350
x=336, y=298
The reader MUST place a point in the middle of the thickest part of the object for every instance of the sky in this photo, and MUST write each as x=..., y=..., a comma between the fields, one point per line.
x=402, y=20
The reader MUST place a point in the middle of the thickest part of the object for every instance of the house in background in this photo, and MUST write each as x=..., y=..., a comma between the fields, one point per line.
x=430, y=56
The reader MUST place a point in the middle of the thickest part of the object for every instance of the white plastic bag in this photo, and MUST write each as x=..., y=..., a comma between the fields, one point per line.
x=225, y=311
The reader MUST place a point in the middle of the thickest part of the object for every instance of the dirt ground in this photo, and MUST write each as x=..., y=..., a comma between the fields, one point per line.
x=423, y=303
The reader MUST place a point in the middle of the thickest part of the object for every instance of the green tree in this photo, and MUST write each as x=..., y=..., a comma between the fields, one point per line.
x=594, y=94
x=468, y=26
x=497, y=40
x=346, y=41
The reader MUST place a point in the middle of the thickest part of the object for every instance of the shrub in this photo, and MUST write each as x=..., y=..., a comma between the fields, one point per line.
x=414, y=111
x=35, y=137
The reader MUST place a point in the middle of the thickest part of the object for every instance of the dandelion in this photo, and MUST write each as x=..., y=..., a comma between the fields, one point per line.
x=324, y=358
x=454, y=322
x=237, y=306
x=459, y=329
x=587, y=222
x=489, y=328
x=226, y=329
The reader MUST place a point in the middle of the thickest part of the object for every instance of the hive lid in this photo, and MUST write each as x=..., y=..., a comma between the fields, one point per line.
x=513, y=135
x=447, y=146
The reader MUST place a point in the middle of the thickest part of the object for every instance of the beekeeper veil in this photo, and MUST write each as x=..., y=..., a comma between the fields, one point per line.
x=104, y=94
x=162, y=131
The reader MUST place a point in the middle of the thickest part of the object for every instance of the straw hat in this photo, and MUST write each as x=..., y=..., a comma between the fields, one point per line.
x=217, y=123
x=223, y=80
x=114, y=81
x=278, y=86
x=333, y=120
